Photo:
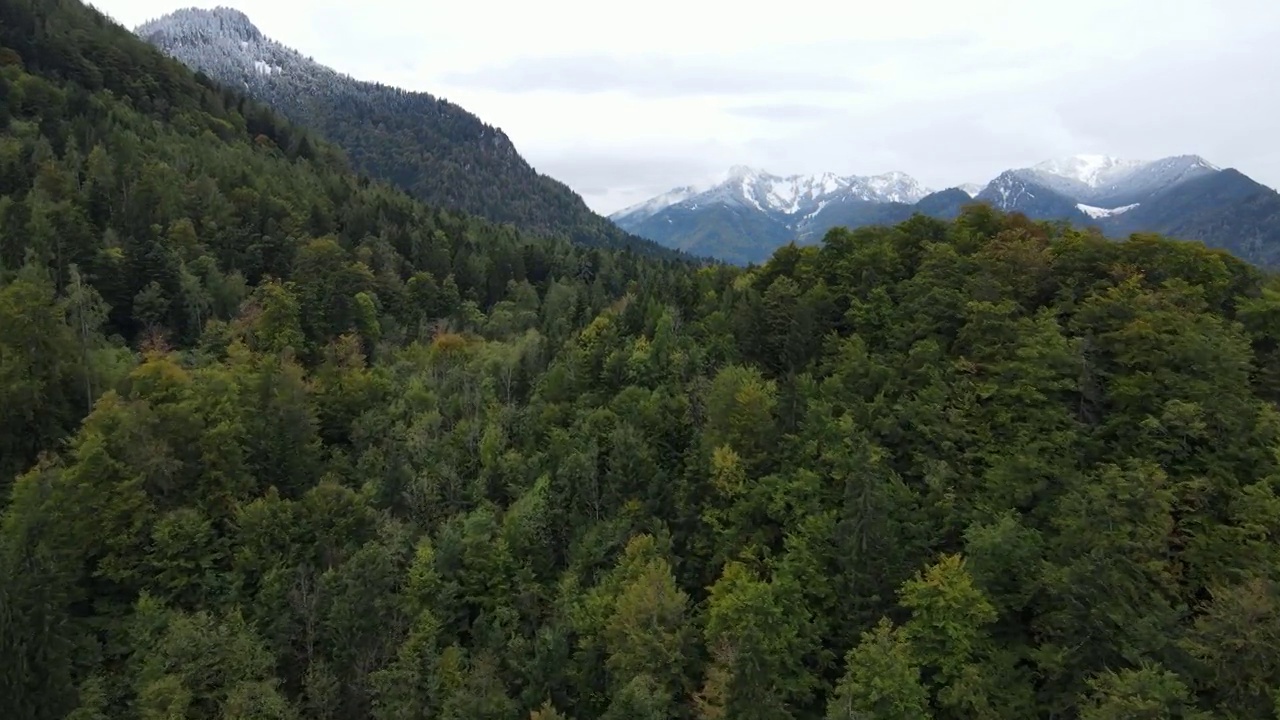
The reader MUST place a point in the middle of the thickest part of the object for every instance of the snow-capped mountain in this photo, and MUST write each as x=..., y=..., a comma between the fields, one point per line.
x=223, y=43
x=797, y=196
x=1153, y=178
x=660, y=202
x=1104, y=181
x=1033, y=194
x=1090, y=170
x=1183, y=193
x=772, y=208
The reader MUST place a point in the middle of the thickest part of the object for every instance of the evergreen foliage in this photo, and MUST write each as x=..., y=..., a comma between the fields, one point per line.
x=281, y=443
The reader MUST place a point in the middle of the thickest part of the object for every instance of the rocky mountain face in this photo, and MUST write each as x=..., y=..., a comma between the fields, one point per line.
x=428, y=146
x=1185, y=196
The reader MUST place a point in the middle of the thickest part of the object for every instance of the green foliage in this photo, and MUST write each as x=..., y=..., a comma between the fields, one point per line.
x=1143, y=692
x=41, y=371
x=356, y=458
x=882, y=680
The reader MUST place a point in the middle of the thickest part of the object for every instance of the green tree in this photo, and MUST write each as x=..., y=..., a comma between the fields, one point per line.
x=882, y=680
x=1146, y=692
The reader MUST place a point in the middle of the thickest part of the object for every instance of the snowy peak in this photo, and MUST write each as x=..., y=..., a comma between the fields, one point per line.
x=741, y=172
x=195, y=25
x=225, y=43
x=795, y=193
x=1101, y=181
x=1007, y=190
x=1091, y=170
x=896, y=187
x=1086, y=183
x=787, y=196
x=749, y=208
x=658, y=204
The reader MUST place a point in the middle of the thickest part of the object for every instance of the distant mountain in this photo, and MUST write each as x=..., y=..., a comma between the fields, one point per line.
x=725, y=231
x=1101, y=181
x=1184, y=196
x=1033, y=194
x=771, y=209
x=1224, y=209
x=426, y=145
x=1154, y=178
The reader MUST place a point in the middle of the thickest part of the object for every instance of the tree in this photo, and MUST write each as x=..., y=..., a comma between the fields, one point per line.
x=882, y=680
x=202, y=667
x=1145, y=693
x=87, y=314
x=645, y=635
x=42, y=373
x=754, y=632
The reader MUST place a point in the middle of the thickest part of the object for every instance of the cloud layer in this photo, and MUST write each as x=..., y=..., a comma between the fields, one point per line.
x=644, y=76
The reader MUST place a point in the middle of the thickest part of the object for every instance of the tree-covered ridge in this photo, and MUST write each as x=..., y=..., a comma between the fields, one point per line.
x=136, y=198
x=434, y=149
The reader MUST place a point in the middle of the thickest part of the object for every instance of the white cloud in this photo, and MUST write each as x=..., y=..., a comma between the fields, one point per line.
x=622, y=102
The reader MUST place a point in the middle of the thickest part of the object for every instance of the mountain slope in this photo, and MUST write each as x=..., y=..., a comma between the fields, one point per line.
x=727, y=232
x=1183, y=196
x=1030, y=194
x=944, y=204
x=433, y=149
x=162, y=203
x=1151, y=179
x=1241, y=215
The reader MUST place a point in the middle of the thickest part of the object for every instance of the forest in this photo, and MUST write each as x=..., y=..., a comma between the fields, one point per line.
x=278, y=442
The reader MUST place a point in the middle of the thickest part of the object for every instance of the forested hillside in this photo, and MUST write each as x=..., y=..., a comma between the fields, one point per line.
x=278, y=444
x=435, y=150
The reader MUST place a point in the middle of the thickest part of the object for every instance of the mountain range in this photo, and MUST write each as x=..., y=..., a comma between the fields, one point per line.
x=749, y=213
x=451, y=159
x=429, y=147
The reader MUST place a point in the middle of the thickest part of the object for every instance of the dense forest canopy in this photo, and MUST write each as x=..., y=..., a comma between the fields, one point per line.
x=277, y=442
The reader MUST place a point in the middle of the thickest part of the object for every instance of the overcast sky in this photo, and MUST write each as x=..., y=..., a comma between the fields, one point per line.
x=623, y=101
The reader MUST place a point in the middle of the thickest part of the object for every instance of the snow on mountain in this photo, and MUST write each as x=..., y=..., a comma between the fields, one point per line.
x=1007, y=191
x=1152, y=178
x=1091, y=170
x=657, y=204
x=1104, y=181
x=225, y=43
x=890, y=187
x=791, y=195
x=197, y=26
x=1183, y=195
x=1096, y=185
x=1097, y=213
x=435, y=150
